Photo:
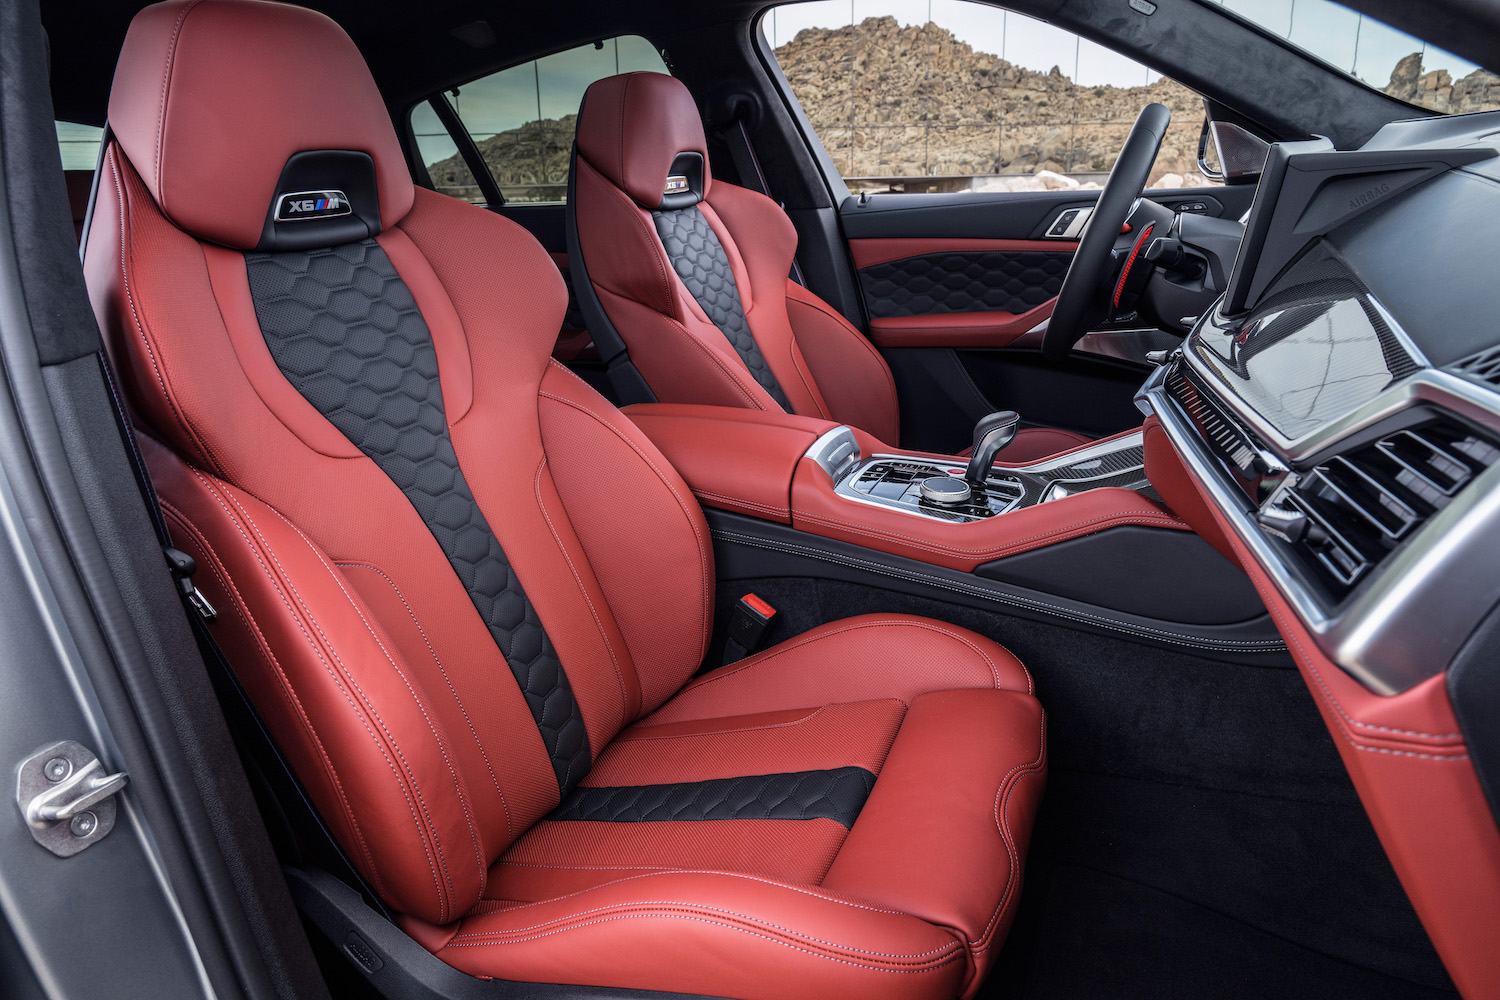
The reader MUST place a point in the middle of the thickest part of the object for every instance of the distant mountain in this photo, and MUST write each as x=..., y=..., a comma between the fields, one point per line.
x=890, y=101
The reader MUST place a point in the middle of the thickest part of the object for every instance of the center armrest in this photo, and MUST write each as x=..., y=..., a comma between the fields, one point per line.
x=802, y=471
x=734, y=459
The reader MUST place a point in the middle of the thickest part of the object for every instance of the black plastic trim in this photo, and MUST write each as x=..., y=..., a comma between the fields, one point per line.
x=748, y=548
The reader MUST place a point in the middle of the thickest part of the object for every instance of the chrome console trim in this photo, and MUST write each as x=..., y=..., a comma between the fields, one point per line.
x=838, y=454
x=836, y=451
x=1407, y=624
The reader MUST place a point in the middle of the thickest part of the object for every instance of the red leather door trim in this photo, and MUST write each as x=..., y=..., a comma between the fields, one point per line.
x=960, y=329
x=880, y=250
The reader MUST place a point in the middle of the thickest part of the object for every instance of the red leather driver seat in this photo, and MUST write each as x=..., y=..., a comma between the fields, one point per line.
x=428, y=545
x=694, y=276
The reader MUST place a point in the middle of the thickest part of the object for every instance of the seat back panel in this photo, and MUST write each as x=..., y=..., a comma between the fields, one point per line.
x=347, y=334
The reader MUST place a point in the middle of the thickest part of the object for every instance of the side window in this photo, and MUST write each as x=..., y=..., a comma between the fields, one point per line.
x=79, y=145
x=521, y=120
x=951, y=95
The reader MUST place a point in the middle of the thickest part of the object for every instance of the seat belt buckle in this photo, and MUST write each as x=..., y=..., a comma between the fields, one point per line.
x=747, y=626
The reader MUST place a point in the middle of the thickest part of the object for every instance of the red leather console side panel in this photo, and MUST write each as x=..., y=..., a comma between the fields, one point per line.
x=1412, y=770
x=818, y=510
x=740, y=460
x=957, y=329
x=883, y=250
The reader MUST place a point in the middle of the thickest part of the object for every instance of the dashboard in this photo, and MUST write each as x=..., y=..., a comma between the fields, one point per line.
x=1341, y=404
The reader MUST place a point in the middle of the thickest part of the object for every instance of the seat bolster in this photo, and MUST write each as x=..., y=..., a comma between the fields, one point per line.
x=341, y=701
x=865, y=658
x=665, y=627
x=854, y=379
x=715, y=933
x=943, y=835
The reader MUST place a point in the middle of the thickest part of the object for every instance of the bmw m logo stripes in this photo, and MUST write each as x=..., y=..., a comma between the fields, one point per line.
x=300, y=206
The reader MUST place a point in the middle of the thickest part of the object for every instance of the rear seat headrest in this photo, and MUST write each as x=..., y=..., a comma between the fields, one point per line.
x=257, y=125
x=642, y=132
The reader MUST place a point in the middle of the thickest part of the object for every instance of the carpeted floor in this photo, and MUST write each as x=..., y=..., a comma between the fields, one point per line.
x=1199, y=836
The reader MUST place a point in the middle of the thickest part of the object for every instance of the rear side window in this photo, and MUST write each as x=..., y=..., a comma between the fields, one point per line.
x=521, y=120
x=79, y=145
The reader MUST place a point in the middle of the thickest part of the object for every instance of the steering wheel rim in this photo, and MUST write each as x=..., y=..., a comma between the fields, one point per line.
x=1091, y=260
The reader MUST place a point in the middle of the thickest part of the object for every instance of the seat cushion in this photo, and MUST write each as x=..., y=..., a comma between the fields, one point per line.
x=845, y=812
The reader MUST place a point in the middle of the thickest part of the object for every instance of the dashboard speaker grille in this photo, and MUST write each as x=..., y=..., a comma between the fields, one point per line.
x=1483, y=367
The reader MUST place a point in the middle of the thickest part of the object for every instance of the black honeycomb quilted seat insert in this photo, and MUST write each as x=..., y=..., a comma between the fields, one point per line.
x=344, y=329
x=701, y=262
x=837, y=794
x=1010, y=281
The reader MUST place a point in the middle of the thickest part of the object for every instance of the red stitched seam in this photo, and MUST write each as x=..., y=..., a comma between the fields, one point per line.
x=238, y=604
x=328, y=667
x=598, y=622
x=446, y=679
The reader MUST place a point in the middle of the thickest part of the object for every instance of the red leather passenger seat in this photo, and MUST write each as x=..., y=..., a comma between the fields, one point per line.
x=693, y=273
x=469, y=597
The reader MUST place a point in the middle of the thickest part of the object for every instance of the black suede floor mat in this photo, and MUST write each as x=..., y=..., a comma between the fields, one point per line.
x=1103, y=936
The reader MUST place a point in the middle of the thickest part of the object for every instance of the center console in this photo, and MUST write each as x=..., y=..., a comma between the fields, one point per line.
x=936, y=488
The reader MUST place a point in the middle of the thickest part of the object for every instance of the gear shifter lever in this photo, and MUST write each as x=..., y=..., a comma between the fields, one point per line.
x=990, y=435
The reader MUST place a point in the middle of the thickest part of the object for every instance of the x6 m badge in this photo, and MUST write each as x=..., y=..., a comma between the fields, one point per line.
x=676, y=184
x=300, y=206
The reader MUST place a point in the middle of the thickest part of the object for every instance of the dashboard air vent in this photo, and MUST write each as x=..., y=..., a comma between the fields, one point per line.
x=1361, y=505
x=1483, y=367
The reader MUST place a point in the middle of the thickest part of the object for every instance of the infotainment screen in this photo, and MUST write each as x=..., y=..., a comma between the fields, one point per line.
x=1245, y=280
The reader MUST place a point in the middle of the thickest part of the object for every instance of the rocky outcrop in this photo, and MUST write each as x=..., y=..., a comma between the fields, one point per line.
x=905, y=101
x=530, y=163
x=1438, y=91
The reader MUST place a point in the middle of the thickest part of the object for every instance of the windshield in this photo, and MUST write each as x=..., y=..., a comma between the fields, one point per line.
x=1377, y=55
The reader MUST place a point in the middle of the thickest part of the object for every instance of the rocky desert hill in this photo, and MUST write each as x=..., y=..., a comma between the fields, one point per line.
x=893, y=101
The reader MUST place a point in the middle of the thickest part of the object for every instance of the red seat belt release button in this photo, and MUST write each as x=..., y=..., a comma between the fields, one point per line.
x=752, y=616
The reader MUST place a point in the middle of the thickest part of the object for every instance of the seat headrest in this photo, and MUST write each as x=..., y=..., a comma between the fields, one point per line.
x=642, y=132
x=257, y=125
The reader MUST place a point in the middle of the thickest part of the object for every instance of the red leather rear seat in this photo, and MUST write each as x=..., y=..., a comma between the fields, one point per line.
x=468, y=596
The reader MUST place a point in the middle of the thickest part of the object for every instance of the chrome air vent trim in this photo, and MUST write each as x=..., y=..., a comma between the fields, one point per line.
x=1408, y=621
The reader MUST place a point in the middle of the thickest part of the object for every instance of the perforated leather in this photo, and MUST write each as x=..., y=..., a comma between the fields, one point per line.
x=997, y=281
x=344, y=329
x=700, y=261
x=836, y=794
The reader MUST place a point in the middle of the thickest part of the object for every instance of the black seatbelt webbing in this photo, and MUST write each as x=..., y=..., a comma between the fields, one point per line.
x=736, y=136
x=245, y=723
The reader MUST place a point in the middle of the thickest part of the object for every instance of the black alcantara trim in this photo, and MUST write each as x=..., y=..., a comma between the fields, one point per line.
x=345, y=330
x=837, y=794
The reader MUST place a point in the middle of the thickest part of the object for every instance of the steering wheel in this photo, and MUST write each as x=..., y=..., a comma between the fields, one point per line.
x=1092, y=260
